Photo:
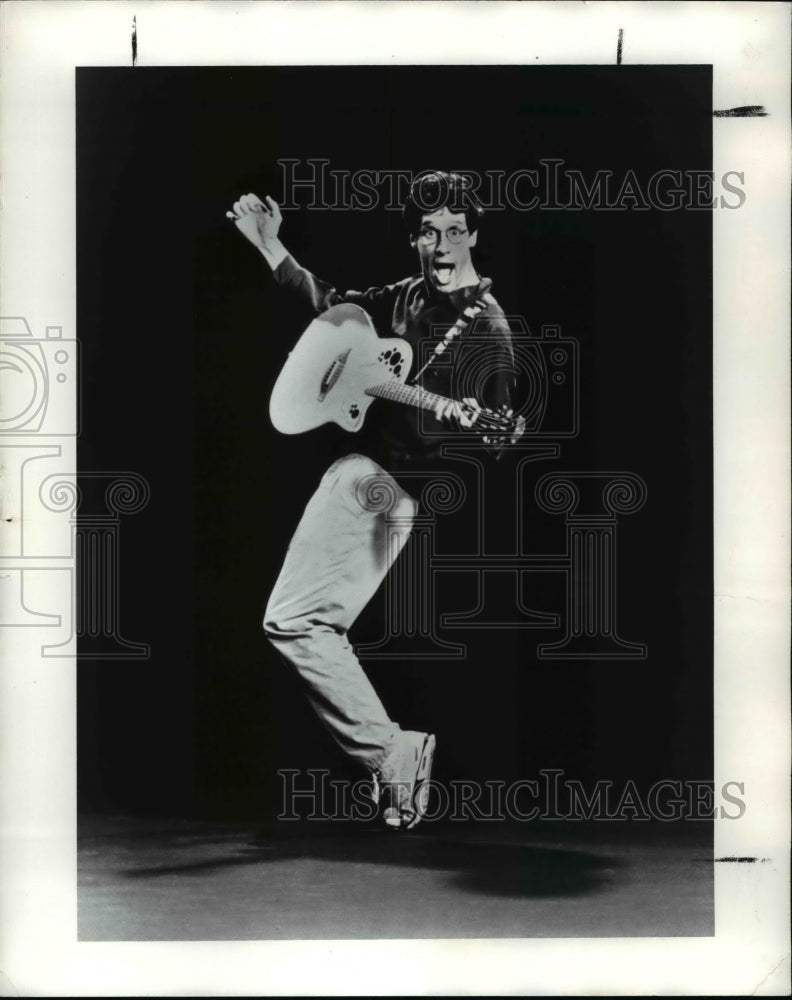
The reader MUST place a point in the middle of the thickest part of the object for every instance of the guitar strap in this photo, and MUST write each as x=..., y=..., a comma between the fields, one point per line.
x=463, y=323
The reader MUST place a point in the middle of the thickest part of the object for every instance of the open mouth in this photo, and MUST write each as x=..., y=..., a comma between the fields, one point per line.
x=443, y=272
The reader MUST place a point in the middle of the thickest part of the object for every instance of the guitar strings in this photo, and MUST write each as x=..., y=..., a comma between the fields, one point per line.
x=411, y=394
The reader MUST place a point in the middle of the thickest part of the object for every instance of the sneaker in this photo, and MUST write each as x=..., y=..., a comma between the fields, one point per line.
x=403, y=780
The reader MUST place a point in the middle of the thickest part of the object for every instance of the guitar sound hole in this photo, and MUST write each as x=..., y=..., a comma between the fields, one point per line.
x=394, y=360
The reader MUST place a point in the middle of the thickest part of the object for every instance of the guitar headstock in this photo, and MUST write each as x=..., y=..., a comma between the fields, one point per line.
x=506, y=428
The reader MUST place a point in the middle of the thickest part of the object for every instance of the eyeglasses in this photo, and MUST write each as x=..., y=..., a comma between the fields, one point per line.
x=428, y=236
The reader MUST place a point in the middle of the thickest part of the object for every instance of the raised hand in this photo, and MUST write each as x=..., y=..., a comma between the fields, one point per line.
x=257, y=220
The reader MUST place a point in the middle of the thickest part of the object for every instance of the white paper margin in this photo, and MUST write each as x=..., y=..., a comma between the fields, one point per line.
x=748, y=44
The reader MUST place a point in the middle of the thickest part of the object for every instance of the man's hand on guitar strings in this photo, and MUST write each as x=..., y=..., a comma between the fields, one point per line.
x=463, y=414
x=256, y=220
x=501, y=440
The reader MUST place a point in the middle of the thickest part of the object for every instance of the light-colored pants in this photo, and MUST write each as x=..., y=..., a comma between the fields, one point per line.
x=353, y=528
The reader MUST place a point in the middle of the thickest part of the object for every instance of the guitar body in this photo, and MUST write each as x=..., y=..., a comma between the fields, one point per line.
x=326, y=376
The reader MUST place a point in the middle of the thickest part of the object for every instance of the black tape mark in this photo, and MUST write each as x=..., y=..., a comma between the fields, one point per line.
x=134, y=40
x=743, y=861
x=619, y=47
x=747, y=111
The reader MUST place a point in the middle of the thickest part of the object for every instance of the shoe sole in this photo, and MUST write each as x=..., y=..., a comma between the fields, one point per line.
x=423, y=776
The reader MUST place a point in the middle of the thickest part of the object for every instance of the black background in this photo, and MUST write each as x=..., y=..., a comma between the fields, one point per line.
x=183, y=333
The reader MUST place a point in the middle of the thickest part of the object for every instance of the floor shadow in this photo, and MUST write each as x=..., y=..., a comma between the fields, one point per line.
x=476, y=863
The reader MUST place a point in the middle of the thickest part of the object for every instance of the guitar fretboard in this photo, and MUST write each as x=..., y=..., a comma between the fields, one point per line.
x=412, y=395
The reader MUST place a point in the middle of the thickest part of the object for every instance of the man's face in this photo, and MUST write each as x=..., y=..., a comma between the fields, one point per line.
x=445, y=265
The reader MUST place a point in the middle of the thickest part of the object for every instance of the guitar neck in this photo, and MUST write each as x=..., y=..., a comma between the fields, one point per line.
x=410, y=395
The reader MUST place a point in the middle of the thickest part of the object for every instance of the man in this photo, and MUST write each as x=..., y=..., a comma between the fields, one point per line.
x=347, y=541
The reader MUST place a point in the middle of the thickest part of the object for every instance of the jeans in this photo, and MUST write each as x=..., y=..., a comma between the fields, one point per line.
x=353, y=529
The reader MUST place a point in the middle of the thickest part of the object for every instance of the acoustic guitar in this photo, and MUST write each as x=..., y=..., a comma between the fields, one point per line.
x=340, y=365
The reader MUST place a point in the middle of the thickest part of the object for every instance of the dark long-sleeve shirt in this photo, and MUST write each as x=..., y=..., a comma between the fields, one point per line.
x=479, y=363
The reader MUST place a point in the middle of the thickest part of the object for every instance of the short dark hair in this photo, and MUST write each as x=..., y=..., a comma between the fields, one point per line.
x=436, y=189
